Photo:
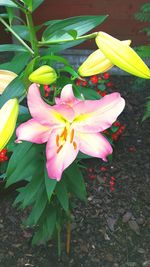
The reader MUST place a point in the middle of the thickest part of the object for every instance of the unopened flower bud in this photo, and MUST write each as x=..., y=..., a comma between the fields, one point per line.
x=97, y=63
x=43, y=75
x=8, y=118
x=121, y=55
x=5, y=78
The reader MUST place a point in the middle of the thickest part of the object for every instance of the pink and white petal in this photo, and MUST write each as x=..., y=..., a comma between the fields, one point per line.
x=41, y=111
x=95, y=145
x=66, y=111
x=98, y=115
x=67, y=95
x=57, y=162
x=33, y=131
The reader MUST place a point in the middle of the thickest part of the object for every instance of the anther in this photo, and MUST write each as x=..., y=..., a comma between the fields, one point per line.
x=72, y=136
x=58, y=150
x=74, y=145
x=57, y=140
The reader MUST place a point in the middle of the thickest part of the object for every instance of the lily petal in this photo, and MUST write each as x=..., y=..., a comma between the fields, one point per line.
x=41, y=111
x=65, y=110
x=67, y=96
x=98, y=115
x=57, y=162
x=95, y=145
x=33, y=131
x=122, y=55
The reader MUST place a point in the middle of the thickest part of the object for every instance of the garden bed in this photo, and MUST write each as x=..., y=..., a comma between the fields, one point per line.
x=112, y=228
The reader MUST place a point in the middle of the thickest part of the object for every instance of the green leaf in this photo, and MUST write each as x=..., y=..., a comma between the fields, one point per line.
x=62, y=194
x=83, y=156
x=29, y=193
x=50, y=185
x=20, y=151
x=38, y=207
x=55, y=58
x=88, y=93
x=46, y=227
x=73, y=33
x=80, y=24
x=17, y=64
x=70, y=70
x=36, y=4
x=22, y=31
x=24, y=168
x=8, y=3
x=28, y=3
x=10, y=12
x=75, y=181
x=14, y=89
x=59, y=47
x=51, y=22
x=12, y=47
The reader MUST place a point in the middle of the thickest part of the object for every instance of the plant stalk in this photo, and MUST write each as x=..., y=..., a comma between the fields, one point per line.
x=17, y=36
x=84, y=37
x=58, y=242
x=33, y=38
x=68, y=237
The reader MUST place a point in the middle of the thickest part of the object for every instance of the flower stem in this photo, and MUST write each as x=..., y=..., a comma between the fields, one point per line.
x=58, y=242
x=68, y=237
x=32, y=32
x=17, y=36
x=84, y=37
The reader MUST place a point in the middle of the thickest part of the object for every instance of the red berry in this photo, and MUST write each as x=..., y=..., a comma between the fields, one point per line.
x=78, y=82
x=94, y=79
x=103, y=169
x=109, y=84
x=116, y=123
x=92, y=176
x=45, y=87
x=106, y=75
x=113, y=178
x=84, y=83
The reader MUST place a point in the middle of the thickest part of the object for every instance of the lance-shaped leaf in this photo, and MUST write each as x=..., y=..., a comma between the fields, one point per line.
x=122, y=55
x=97, y=63
x=8, y=117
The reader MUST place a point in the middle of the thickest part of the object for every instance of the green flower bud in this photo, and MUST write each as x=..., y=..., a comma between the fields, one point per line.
x=43, y=75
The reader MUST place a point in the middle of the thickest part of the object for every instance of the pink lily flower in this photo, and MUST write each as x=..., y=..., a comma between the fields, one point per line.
x=69, y=126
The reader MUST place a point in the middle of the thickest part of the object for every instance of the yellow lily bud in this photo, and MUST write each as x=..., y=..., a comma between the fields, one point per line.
x=97, y=63
x=8, y=118
x=5, y=78
x=122, y=56
x=43, y=75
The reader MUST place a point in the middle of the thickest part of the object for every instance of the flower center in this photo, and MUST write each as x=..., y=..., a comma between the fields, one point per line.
x=67, y=135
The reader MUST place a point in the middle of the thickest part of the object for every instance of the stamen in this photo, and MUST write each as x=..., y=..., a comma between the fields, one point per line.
x=72, y=136
x=64, y=134
x=58, y=150
x=74, y=145
x=57, y=140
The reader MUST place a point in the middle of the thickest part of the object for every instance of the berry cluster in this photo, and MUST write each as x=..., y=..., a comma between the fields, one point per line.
x=47, y=90
x=3, y=156
x=105, y=179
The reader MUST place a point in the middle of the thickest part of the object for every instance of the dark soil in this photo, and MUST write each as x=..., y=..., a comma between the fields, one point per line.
x=112, y=229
